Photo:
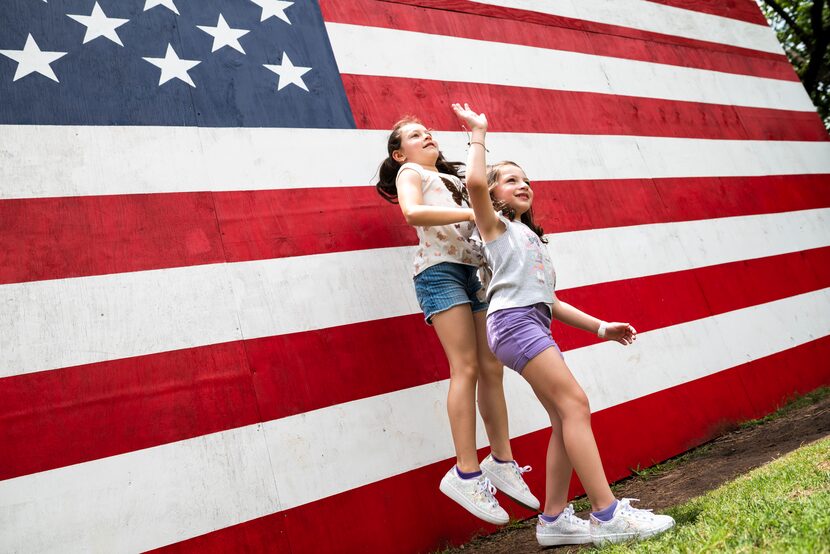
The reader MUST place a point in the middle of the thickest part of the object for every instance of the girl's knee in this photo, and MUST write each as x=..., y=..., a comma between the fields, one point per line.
x=468, y=370
x=577, y=405
x=491, y=371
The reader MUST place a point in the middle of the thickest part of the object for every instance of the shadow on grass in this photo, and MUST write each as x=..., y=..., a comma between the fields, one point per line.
x=686, y=514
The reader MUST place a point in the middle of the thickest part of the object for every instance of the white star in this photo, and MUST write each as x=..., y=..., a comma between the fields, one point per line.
x=173, y=67
x=223, y=35
x=31, y=59
x=99, y=25
x=274, y=8
x=289, y=73
x=166, y=3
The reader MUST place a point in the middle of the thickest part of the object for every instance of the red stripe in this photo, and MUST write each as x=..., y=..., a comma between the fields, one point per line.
x=744, y=10
x=530, y=110
x=464, y=19
x=56, y=418
x=671, y=298
x=50, y=238
x=637, y=433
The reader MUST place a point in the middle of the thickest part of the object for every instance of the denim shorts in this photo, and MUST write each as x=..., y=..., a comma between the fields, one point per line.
x=517, y=335
x=442, y=286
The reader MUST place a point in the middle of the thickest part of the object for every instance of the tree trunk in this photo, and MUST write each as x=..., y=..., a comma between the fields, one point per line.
x=821, y=39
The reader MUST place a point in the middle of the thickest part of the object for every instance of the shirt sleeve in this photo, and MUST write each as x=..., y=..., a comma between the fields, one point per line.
x=413, y=166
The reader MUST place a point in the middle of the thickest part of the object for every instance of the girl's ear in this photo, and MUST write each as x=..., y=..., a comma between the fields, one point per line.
x=398, y=156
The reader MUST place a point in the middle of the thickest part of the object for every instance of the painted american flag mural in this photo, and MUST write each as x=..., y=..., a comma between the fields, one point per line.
x=209, y=340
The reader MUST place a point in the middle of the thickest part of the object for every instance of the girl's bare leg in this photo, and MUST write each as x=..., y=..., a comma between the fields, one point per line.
x=560, y=393
x=558, y=467
x=457, y=332
x=491, y=401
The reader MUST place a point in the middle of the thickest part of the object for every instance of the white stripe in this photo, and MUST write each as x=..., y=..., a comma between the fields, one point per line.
x=82, y=161
x=152, y=497
x=387, y=52
x=141, y=500
x=656, y=18
x=618, y=253
x=51, y=324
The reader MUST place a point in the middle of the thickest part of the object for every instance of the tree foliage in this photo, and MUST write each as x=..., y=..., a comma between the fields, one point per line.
x=803, y=28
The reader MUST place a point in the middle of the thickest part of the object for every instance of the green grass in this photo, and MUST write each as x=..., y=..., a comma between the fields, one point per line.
x=783, y=506
x=582, y=504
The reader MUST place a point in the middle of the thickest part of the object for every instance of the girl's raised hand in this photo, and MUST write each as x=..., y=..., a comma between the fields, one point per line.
x=623, y=333
x=467, y=116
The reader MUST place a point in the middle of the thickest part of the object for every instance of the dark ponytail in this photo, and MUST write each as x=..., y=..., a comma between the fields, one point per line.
x=388, y=171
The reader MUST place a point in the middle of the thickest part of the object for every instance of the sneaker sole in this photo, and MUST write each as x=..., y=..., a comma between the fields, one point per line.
x=657, y=531
x=500, y=485
x=559, y=540
x=455, y=495
x=623, y=537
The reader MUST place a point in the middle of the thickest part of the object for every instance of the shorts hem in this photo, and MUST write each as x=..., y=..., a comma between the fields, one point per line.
x=528, y=359
x=427, y=318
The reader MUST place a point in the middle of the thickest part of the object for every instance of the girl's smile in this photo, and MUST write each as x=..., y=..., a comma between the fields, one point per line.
x=513, y=188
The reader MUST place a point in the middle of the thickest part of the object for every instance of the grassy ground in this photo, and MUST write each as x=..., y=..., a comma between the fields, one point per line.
x=704, y=490
x=781, y=507
x=582, y=504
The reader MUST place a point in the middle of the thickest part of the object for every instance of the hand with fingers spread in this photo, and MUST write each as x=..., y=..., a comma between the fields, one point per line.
x=473, y=120
x=623, y=333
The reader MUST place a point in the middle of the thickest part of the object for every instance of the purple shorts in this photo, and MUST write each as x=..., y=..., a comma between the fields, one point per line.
x=517, y=335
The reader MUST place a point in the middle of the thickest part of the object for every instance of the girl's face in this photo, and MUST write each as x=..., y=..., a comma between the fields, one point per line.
x=513, y=188
x=417, y=145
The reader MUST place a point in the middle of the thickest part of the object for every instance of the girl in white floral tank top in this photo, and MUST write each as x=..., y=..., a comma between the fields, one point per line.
x=442, y=243
x=431, y=196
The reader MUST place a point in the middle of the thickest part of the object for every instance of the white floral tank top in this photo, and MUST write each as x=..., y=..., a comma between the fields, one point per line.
x=445, y=243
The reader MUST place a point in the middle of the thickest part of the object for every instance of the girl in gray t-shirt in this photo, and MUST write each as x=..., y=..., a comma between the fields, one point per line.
x=522, y=301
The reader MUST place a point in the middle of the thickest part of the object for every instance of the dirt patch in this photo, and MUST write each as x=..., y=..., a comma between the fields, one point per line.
x=702, y=470
x=798, y=495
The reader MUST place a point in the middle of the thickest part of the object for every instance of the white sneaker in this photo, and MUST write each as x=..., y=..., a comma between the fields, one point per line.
x=475, y=496
x=629, y=523
x=508, y=479
x=567, y=529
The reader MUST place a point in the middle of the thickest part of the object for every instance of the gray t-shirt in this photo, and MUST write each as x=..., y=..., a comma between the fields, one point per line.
x=521, y=268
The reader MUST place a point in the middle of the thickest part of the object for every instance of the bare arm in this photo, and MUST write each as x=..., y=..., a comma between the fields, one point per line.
x=620, y=332
x=574, y=317
x=422, y=215
x=485, y=217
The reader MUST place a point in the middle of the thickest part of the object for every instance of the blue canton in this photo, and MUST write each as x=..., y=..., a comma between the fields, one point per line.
x=263, y=63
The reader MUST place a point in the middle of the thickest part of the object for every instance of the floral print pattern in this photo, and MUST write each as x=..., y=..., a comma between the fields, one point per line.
x=447, y=243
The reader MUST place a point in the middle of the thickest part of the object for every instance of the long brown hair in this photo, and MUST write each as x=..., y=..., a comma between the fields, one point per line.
x=388, y=171
x=493, y=174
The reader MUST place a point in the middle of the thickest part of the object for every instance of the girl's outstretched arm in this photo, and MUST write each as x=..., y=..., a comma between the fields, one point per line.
x=623, y=333
x=485, y=217
x=417, y=213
